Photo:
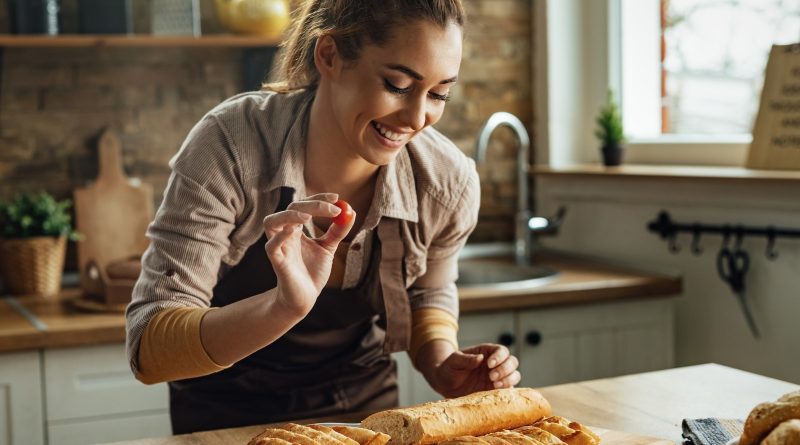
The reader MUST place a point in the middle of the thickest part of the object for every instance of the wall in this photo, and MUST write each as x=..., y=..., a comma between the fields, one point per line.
x=607, y=217
x=53, y=102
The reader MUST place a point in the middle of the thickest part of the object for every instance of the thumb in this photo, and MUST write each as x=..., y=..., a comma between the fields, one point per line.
x=336, y=232
x=464, y=362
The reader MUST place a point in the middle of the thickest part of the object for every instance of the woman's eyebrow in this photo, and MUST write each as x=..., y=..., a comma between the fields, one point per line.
x=414, y=74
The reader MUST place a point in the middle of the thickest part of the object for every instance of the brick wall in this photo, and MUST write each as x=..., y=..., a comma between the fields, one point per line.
x=53, y=102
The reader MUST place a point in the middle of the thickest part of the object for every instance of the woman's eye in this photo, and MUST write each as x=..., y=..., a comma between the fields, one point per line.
x=394, y=89
x=442, y=97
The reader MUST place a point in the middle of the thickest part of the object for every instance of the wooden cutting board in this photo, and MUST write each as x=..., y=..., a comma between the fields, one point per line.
x=243, y=435
x=112, y=213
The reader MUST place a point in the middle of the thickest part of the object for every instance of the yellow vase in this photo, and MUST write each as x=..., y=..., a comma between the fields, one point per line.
x=267, y=18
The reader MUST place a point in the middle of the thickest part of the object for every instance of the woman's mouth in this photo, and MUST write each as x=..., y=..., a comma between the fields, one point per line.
x=387, y=137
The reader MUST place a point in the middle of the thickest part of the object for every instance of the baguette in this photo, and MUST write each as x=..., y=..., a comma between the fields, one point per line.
x=545, y=437
x=362, y=435
x=318, y=436
x=279, y=433
x=787, y=433
x=515, y=438
x=331, y=432
x=473, y=415
x=766, y=416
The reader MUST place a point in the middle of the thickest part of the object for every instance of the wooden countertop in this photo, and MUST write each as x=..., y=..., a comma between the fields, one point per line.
x=34, y=322
x=651, y=404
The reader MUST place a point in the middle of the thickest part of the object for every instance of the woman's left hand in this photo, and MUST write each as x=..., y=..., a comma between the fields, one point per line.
x=476, y=368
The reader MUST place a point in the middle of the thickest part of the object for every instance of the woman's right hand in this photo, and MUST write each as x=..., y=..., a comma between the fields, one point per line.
x=302, y=264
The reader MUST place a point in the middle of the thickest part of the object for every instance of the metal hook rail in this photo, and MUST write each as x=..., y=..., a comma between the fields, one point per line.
x=669, y=229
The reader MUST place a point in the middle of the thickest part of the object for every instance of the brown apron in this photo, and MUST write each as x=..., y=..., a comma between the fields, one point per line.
x=336, y=360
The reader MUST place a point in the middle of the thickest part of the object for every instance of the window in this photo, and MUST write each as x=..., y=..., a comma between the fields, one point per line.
x=696, y=107
x=695, y=67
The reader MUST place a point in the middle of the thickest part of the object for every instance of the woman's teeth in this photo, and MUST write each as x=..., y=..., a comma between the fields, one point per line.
x=386, y=133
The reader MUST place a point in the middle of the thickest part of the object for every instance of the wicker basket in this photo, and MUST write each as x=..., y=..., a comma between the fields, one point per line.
x=33, y=265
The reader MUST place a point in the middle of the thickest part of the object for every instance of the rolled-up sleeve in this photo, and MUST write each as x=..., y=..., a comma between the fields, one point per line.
x=436, y=287
x=189, y=237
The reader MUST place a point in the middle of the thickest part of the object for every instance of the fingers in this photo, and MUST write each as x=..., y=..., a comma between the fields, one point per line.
x=327, y=197
x=336, y=232
x=504, y=371
x=274, y=244
x=499, y=355
x=510, y=381
x=276, y=222
x=315, y=208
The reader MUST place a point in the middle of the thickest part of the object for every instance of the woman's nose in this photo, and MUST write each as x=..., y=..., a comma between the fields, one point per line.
x=416, y=113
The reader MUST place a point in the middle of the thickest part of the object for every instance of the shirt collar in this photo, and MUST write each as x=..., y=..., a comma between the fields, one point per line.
x=395, y=191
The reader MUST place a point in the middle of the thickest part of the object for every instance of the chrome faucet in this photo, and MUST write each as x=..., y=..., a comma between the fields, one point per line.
x=525, y=223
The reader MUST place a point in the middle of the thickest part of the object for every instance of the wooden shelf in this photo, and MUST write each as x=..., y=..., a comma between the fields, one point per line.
x=132, y=40
x=677, y=172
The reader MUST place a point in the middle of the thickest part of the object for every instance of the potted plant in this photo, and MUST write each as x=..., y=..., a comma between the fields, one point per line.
x=609, y=131
x=33, y=233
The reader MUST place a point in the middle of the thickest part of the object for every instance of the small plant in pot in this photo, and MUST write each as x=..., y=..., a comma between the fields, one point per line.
x=34, y=229
x=609, y=131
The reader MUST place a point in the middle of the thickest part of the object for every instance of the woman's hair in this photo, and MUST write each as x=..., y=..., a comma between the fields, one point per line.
x=352, y=24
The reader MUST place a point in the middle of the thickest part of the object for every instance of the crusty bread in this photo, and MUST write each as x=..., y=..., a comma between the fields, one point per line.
x=269, y=441
x=318, y=436
x=567, y=434
x=464, y=440
x=362, y=435
x=515, y=438
x=493, y=440
x=545, y=437
x=574, y=425
x=472, y=415
x=787, y=433
x=280, y=433
x=331, y=432
x=766, y=416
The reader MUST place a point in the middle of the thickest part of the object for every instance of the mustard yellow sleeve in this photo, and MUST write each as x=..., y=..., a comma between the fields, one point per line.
x=428, y=324
x=171, y=348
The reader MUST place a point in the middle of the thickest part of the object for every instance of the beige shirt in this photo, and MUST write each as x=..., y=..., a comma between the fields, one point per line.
x=227, y=176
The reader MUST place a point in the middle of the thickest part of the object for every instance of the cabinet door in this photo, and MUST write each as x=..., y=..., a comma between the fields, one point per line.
x=473, y=329
x=21, y=420
x=115, y=429
x=96, y=381
x=594, y=341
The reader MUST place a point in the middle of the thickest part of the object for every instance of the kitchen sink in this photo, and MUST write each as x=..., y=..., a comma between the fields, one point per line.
x=492, y=266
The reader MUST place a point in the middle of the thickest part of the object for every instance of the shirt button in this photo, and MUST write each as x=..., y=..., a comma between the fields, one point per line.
x=356, y=247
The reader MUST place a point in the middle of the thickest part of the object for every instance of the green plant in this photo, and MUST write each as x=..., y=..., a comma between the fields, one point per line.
x=30, y=215
x=609, y=123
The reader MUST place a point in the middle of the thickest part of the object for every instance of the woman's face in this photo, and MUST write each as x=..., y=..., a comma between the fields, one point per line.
x=392, y=92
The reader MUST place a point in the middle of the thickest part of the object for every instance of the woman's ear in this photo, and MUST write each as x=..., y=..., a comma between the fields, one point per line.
x=326, y=56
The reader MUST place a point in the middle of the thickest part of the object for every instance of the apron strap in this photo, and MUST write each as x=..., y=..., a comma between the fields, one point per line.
x=395, y=296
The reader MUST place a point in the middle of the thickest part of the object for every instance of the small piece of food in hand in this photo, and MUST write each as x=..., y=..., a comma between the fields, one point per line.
x=346, y=215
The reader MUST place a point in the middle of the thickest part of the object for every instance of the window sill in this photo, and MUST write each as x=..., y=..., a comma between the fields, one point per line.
x=676, y=172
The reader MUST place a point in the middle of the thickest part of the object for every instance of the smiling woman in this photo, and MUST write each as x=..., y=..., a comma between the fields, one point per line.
x=307, y=329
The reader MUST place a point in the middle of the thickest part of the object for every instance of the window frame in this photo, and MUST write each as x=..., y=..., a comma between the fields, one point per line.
x=569, y=89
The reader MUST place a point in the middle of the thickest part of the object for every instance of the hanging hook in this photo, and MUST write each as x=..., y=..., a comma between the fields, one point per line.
x=739, y=238
x=772, y=254
x=672, y=242
x=696, y=248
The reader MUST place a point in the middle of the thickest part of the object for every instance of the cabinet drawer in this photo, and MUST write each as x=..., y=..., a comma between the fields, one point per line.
x=21, y=419
x=96, y=380
x=154, y=424
x=485, y=328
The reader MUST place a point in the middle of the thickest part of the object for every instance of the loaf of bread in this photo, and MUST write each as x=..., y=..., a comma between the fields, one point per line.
x=787, y=433
x=765, y=417
x=292, y=433
x=473, y=415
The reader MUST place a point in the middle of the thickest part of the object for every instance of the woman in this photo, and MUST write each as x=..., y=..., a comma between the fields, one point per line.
x=306, y=330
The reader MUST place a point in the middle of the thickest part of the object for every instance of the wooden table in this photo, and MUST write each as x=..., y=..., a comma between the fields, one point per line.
x=651, y=404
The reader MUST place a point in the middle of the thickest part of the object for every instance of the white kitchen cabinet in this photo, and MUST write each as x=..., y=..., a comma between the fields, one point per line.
x=92, y=396
x=593, y=341
x=21, y=419
x=565, y=344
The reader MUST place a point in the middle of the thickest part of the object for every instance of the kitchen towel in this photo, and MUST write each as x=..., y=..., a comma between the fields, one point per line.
x=711, y=431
